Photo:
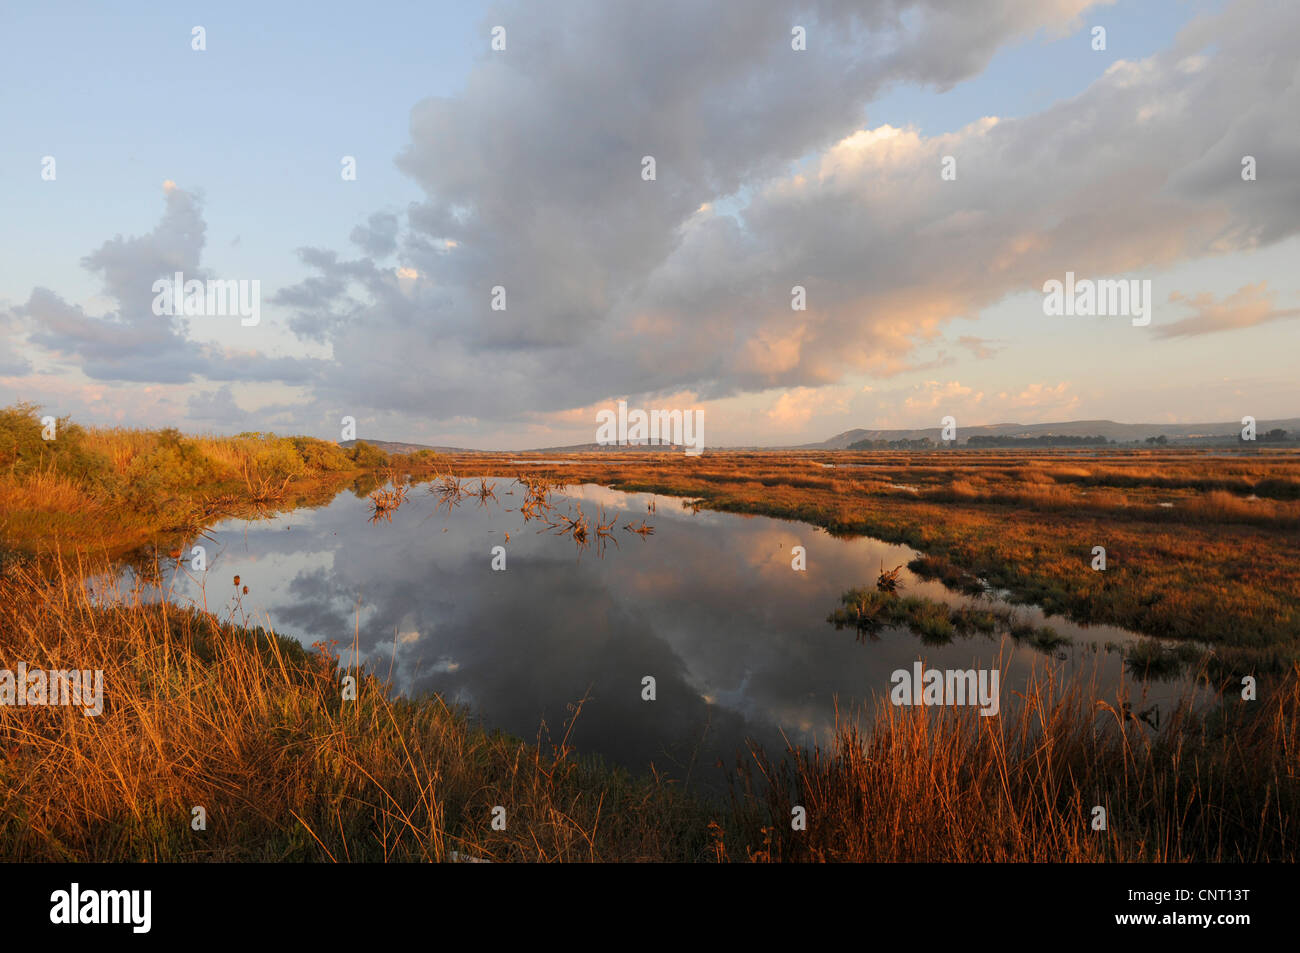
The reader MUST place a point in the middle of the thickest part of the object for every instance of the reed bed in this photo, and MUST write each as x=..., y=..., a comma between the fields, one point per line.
x=207, y=711
x=202, y=712
x=948, y=785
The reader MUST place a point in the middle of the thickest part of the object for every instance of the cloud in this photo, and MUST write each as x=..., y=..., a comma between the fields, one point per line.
x=11, y=362
x=766, y=179
x=618, y=285
x=218, y=405
x=795, y=407
x=932, y=394
x=129, y=342
x=147, y=405
x=532, y=181
x=1247, y=307
x=1046, y=401
x=981, y=348
x=378, y=237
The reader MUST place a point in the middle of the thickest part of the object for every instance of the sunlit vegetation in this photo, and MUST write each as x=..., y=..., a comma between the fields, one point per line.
x=937, y=623
x=946, y=784
x=110, y=488
x=1201, y=547
x=258, y=731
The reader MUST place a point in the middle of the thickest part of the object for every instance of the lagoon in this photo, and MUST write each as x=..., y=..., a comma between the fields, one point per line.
x=707, y=604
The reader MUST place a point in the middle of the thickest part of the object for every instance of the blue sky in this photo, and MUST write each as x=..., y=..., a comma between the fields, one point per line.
x=252, y=129
x=258, y=121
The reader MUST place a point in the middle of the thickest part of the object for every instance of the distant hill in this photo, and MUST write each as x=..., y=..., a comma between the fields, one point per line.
x=1120, y=433
x=640, y=447
x=397, y=446
x=1209, y=434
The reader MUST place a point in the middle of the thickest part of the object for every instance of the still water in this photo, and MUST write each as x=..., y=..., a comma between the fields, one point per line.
x=707, y=604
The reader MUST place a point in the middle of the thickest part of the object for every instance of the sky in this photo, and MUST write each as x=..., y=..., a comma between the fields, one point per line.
x=921, y=169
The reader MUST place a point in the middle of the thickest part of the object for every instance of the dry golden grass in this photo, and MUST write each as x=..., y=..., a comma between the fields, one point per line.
x=259, y=733
x=1220, y=506
x=255, y=730
x=949, y=785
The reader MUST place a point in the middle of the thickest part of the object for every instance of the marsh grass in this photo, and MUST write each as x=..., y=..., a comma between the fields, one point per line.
x=937, y=623
x=385, y=500
x=1153, y=659
x=605, y=530
x=200, y=711
x=249, y=725
x=889, y=579
x=951, y=575
x=206, y=711
x=945, y=784
x=1215, y=567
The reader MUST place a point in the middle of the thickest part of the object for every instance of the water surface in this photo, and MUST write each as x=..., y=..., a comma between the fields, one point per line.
x=708, y=604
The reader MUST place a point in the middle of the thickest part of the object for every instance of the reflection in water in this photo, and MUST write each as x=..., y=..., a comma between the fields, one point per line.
x=707, y=603
x=386, y=500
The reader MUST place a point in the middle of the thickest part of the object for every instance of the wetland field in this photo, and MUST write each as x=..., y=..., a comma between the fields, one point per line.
x=343, y=654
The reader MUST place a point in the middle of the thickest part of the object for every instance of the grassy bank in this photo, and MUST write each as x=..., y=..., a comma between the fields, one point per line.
x=116, y=489
x=258, y=732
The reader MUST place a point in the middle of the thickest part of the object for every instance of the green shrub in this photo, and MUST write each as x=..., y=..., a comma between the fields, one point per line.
x=365, y=456
x=23, y=448
x=321, y=454
x=276, y=458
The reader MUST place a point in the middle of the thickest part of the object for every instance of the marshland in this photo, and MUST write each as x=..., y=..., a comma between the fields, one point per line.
x=513, y=677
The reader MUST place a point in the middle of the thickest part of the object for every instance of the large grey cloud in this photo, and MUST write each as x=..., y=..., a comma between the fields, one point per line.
x=616, y=285
x=533, y=172
x=531, y=180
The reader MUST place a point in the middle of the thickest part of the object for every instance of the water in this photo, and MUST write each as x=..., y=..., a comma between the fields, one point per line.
x=708, y=605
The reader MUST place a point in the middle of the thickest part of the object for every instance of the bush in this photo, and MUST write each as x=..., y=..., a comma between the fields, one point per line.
x=365, y=456
x=23, y=448
x=321, y=454
x=276, y=458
